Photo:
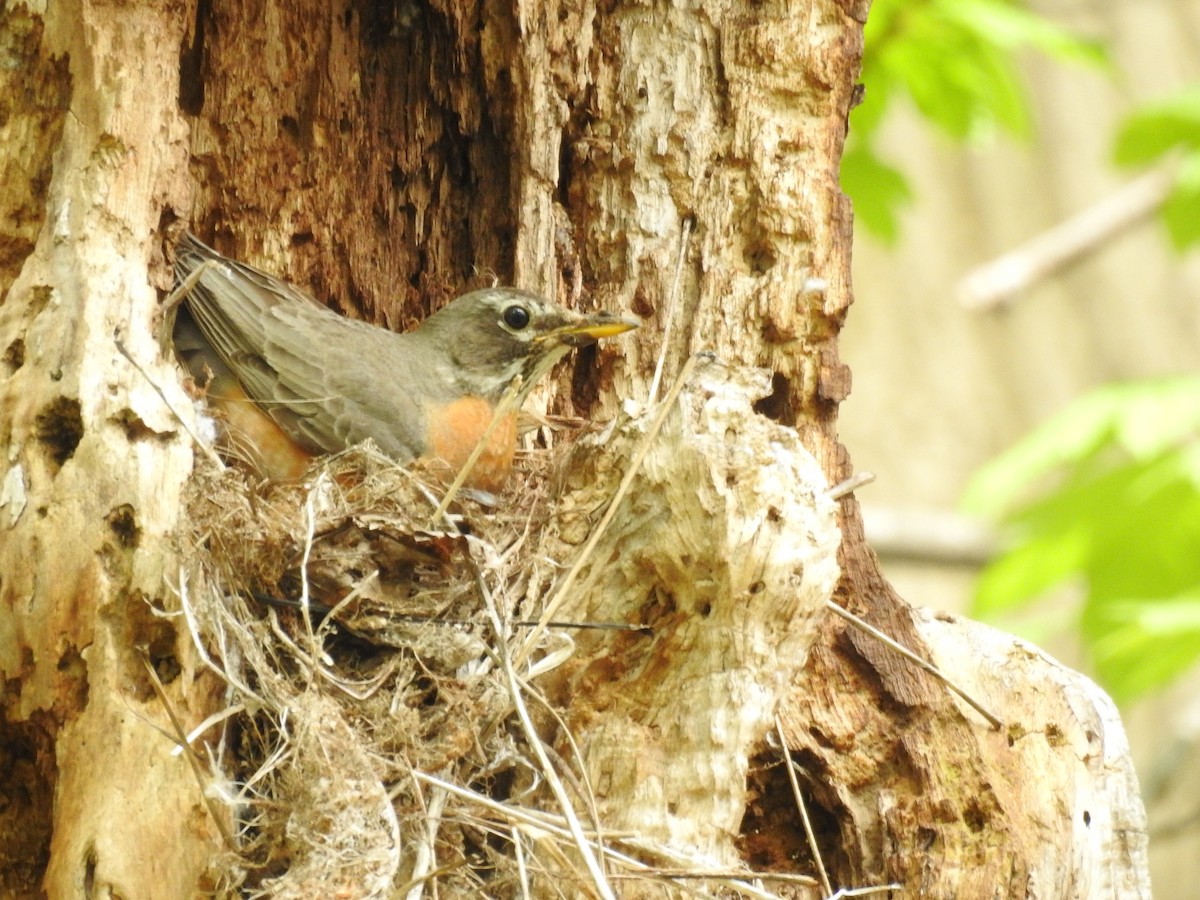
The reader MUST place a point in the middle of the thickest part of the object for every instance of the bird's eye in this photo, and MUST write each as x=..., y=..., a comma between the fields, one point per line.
x=516, y=317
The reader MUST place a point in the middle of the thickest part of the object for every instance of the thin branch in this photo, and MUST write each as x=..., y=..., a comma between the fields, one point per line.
x=204, y=447
x=182, y=740
x=851, y=484
x=996, y=283
x=930, y=536
x=803, y=808
x=915, y=660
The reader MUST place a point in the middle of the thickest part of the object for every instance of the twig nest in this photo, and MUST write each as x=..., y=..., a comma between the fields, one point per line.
x=725, y=547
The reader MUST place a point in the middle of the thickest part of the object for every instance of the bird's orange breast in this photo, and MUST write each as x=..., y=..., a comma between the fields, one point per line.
x=453, y=433
x=457, y=427
x=254, y=436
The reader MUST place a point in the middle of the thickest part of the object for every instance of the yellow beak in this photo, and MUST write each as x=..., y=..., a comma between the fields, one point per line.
x=590, y=329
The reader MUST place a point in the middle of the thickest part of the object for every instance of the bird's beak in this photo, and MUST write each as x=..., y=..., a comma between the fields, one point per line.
x=589, y=329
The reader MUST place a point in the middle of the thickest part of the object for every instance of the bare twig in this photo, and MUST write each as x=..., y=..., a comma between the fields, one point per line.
x=310, y=530
x=215, y=719
x=915, y=660
x=996, y=283
x=519, y=853
x=930, y=536
x=851, y=484
x=800, y=805
x=190, y=754
x=204, y=447
x=583, y=785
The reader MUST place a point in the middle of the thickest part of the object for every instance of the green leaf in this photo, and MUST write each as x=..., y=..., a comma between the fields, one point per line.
x=878, y=191
x=1158, y=128
x=1132, y=533
x=1033, y=567
x=1162, y=618
x=1143, y=529
x=1068, y=437
x=1152, y=416
x=1181, y=212
x=1014, y=28
x=1147, y=643
x=1120, y=517
x=1142, y=419
x=960, y=83
x=956, y=59
x=877, y=96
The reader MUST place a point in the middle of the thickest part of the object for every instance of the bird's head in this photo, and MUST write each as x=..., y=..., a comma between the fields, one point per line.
x=496, y=334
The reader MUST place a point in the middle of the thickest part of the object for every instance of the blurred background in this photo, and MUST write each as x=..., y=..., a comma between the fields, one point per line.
x=1026, y=346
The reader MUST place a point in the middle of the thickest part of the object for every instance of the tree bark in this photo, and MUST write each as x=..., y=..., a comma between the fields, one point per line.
x=94, y=151
x=677, y=162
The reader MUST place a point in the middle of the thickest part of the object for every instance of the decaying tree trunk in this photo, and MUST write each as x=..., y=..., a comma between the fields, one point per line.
x=677, y=162
x=93, y=151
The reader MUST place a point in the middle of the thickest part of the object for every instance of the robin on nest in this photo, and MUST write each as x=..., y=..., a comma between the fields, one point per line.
x=294, y=380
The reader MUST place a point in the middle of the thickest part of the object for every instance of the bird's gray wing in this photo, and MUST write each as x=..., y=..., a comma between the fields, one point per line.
x=328, y=381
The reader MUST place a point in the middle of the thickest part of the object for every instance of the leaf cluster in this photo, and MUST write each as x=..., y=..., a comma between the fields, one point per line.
x=1161, y=130
x=956, y=60
x=1106, y=495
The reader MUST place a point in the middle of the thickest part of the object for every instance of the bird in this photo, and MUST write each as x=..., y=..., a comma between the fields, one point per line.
x=294, y=380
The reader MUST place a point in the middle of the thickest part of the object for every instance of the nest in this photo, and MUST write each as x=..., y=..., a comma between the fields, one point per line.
x=360, y=642
x=379, y=740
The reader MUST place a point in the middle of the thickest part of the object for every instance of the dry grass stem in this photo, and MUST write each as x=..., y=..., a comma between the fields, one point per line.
x=801, y=807
x=866, y=891
x=184, y=421
x=685, y=238
x=917, y=661
x=563, y=590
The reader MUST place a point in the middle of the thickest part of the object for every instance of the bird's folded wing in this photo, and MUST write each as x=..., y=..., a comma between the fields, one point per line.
x=328, y=381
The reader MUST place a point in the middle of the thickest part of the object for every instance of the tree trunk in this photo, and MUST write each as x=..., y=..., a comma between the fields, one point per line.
x=95, y=462
x=679, y=163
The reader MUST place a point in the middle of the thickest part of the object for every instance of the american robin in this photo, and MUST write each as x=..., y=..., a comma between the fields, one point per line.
x=293, y=379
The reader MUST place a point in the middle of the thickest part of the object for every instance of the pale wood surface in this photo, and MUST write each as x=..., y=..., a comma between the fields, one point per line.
x=99, y=459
